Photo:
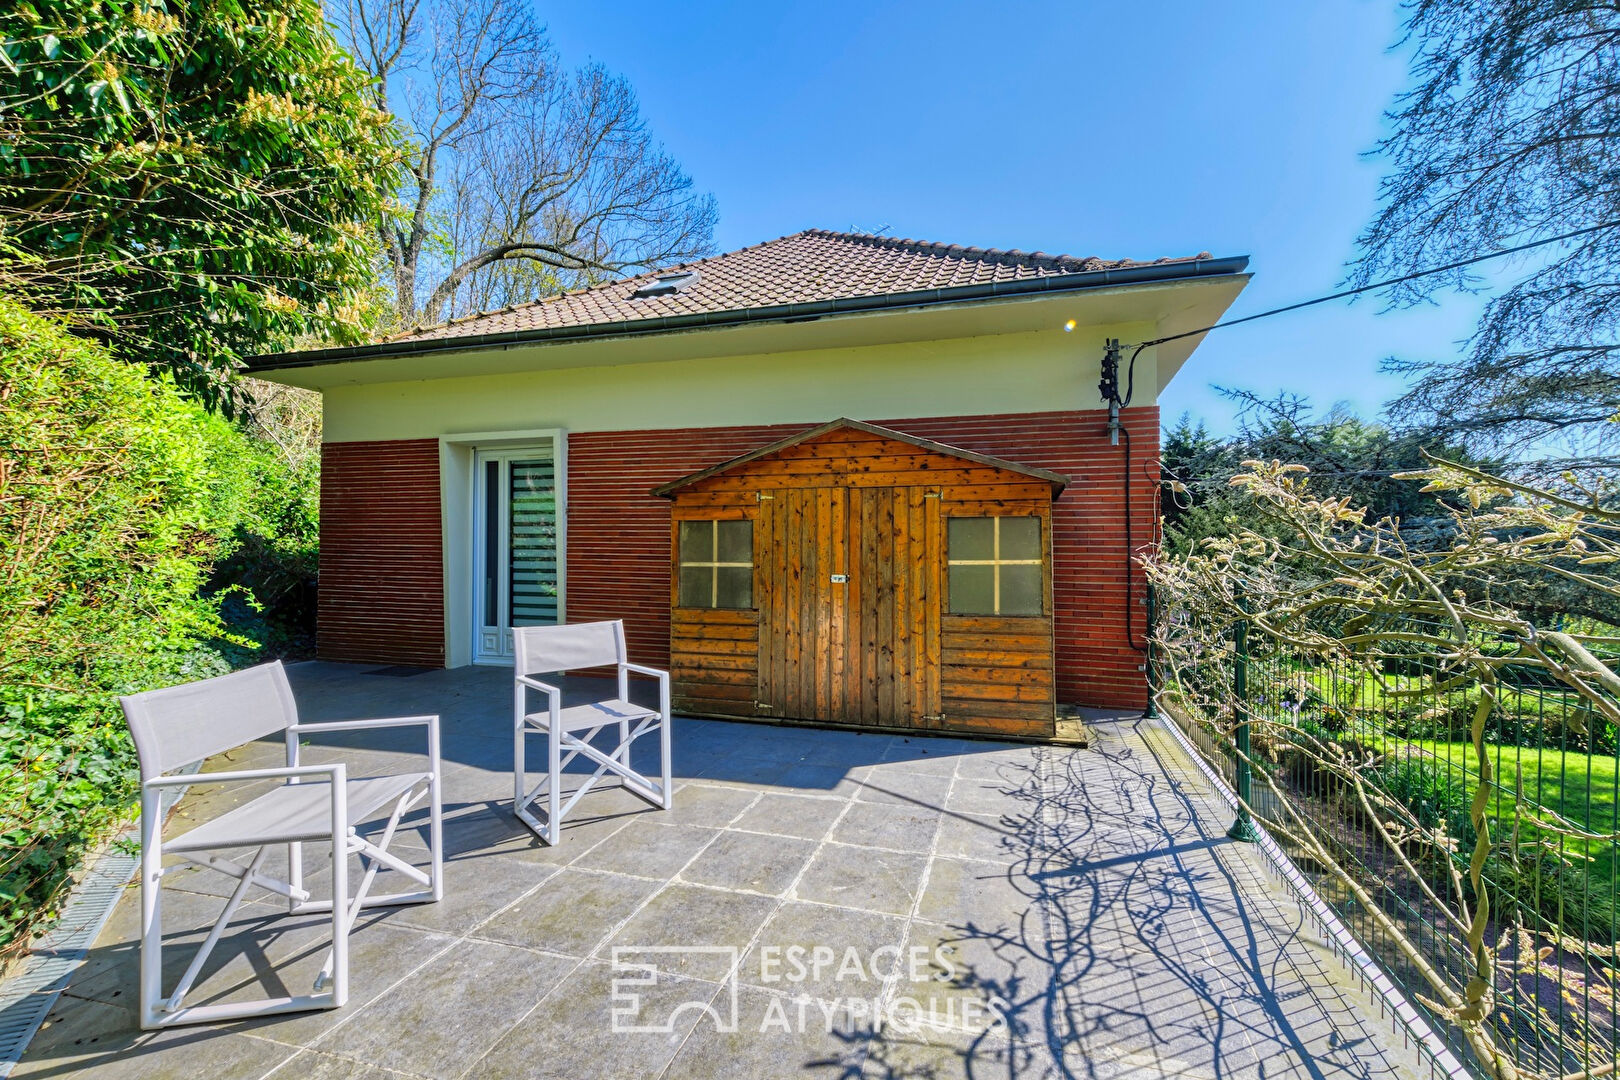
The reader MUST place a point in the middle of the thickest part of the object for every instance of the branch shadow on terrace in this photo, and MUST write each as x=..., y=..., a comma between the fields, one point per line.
x=1092, y=891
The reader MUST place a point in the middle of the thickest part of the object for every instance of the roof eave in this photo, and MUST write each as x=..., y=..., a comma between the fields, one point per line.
x=1156, y=273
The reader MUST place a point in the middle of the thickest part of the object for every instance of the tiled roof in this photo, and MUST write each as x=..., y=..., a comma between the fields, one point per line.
x=814, y=265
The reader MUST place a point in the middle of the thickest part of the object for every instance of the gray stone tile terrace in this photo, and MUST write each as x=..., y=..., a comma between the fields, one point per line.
x=1089, y=895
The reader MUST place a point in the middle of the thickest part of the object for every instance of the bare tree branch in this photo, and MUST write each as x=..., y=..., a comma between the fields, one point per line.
x=1510, y=130
x=525, y=178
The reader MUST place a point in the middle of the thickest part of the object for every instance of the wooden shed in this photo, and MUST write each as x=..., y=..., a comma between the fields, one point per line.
x=859, y=576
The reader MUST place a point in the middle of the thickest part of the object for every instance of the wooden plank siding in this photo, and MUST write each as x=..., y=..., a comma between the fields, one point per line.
x=868, y=651
x=997, y=674
x=618, y=547
x=714, y=661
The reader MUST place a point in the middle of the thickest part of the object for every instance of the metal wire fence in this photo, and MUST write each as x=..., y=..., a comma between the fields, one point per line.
x=1373, y=755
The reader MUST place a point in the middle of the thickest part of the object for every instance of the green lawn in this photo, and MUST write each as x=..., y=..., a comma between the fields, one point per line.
x=1582, y=788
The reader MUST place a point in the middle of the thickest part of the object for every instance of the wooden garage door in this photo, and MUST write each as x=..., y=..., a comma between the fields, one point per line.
x=849, y=615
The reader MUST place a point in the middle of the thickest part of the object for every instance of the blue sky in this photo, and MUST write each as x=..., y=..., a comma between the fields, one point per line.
x=1112, y=129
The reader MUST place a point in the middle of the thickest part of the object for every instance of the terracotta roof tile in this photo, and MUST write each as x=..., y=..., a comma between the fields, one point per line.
x=808, y=266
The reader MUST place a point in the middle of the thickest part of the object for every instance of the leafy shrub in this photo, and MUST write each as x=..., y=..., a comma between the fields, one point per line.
x=266, y=578
x=115, y=496
x=1433, y=793
x=1541, y=888
x=200, y=170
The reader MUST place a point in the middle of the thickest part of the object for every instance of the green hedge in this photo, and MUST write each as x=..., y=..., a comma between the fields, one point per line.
x=116, y=496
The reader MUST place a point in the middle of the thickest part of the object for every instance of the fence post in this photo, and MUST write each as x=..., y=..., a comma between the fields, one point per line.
x=1152, y=710
x=1243, y=828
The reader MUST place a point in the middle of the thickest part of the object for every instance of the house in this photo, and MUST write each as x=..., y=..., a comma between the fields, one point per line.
x=831, y=477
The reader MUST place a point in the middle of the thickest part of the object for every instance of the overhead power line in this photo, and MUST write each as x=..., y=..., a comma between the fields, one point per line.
x=1387, y=283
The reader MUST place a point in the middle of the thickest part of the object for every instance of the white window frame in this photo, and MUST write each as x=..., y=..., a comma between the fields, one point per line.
x=515, y=443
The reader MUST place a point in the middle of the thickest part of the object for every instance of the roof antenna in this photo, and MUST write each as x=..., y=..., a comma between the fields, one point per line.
x=878, y=230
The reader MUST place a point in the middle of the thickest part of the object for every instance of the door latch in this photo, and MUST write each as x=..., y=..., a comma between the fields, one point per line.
x=840, y=579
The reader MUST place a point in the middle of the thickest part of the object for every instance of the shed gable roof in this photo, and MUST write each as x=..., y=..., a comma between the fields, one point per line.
x=1057, y=480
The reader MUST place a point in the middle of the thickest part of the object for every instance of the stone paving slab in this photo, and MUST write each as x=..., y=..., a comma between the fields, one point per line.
x=886, y=897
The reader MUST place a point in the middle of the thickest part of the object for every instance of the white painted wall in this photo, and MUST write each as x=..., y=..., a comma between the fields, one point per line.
x=1001, y=373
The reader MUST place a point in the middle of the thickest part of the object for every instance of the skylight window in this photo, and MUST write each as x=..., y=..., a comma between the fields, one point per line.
x=665, y=284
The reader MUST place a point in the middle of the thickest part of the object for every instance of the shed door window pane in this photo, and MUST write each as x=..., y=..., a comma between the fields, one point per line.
x=734, y=586
x=696, y=586
x=734, y=542
x=1020, y=539
x=1020, y=589
x=972, y=538
x=697, y=541
x=996, y=566
x=973, y=590
x=716, y=564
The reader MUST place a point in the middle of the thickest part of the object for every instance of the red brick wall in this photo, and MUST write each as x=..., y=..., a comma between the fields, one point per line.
x=381, y=592
x=382, y=588
x=618, y=535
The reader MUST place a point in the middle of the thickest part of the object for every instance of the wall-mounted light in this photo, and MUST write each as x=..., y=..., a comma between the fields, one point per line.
x=1068, y=327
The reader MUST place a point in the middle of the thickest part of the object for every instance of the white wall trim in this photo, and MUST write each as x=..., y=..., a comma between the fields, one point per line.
x=495, y=439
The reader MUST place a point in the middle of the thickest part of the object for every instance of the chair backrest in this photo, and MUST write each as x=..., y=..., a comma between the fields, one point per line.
x=182, y=724
x=542, y=649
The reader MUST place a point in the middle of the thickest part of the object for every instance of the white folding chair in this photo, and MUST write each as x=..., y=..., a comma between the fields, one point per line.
x=545, y=649
x=183, y=724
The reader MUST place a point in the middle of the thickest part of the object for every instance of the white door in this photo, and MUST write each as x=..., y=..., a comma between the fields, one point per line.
x=516, y=555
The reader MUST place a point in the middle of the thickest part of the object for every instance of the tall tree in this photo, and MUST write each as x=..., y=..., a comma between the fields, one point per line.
x=1510, y=133
x=523, y=177
x=192, y=180
x=1347, y=457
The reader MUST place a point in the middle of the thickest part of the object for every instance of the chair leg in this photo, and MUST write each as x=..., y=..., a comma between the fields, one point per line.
x=616, y=761
x=341, y=919
x=622, y=754
x=151, y=911
x=663, y=754
x=377, y=857
x=554, y=792
x=158, y=1011
x=295, y=875
x=183, y=987
x=519, y=784
x=436, y=836
x=331, y=985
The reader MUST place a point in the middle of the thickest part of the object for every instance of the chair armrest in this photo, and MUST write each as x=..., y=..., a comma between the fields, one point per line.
x=537, y=684
x=282, y=772
x=657, y=673
x=431, y=722
x=359, y=725
x=152, y=795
